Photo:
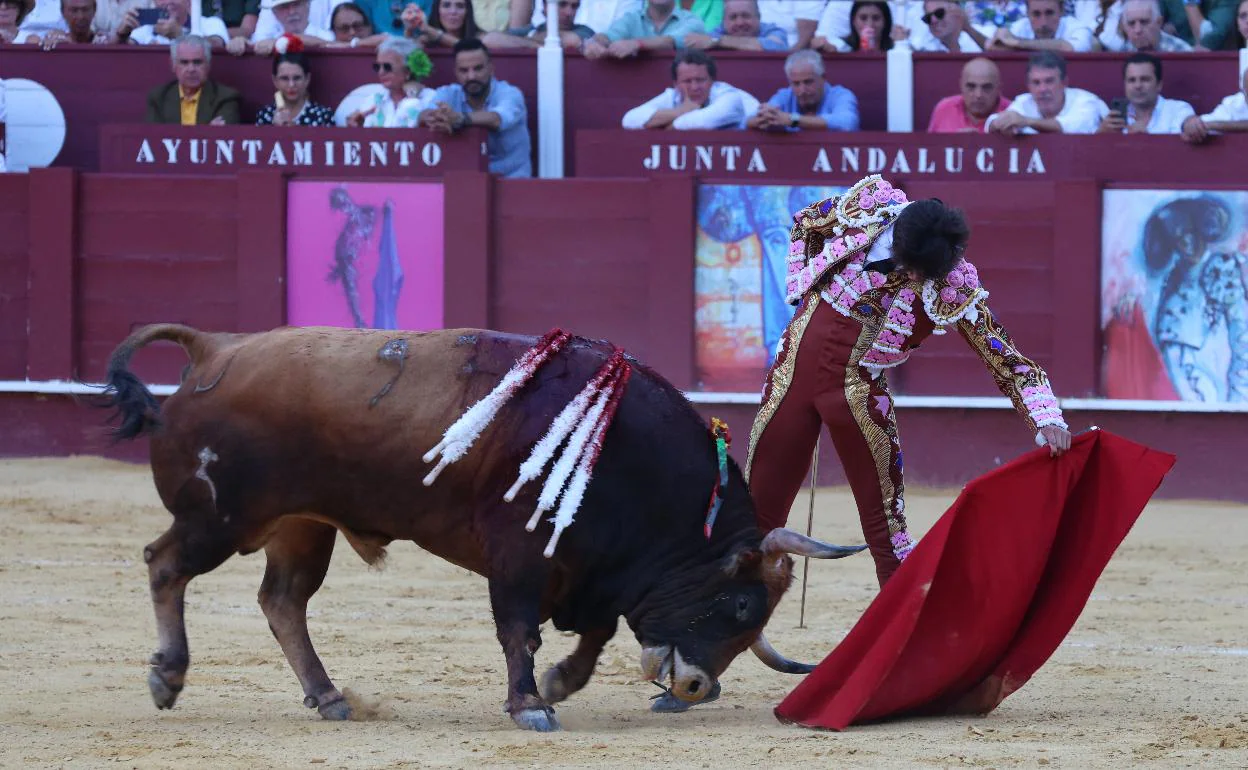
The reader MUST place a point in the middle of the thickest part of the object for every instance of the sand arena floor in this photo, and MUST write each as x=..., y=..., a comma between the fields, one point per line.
x=1154, y=674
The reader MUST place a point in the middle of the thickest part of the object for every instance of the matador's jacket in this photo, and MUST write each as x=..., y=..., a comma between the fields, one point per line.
x=857, y=316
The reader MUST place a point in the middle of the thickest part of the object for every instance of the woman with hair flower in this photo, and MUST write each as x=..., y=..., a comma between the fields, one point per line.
x=400, y=65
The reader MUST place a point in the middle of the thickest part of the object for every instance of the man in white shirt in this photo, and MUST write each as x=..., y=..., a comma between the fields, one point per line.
x=1147, y=111
x=1044, y=29
x=1231, y=116
x=1049, y=106
x=798, y=18
x=945, y=28
x=1141, y=30
x=293, y=19
x=177, y=22
x=320, y=15
x=697, y=102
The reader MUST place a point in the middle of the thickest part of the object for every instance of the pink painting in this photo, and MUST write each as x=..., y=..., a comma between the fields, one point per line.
x=364, y=254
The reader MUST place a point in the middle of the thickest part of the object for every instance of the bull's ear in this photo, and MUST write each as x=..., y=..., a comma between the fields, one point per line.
x=743, y=560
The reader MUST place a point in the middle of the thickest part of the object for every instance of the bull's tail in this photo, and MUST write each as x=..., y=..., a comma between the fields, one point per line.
x=136, y=409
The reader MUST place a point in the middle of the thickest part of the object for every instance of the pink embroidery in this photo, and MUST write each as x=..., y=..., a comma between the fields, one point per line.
x=866, y=201
x=797, y=248
x=949, y=295
x=955, y=279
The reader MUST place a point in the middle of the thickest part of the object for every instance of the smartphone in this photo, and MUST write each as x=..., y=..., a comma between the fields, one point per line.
x=1119, y=105
x=148, y=16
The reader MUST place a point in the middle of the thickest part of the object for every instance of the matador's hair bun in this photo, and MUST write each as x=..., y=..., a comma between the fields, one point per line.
x=930, y=238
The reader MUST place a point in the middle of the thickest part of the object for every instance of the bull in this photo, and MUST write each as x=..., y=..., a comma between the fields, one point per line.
x=283, y=439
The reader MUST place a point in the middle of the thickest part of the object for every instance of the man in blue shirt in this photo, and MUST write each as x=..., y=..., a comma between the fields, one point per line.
x=480, y=99
x=810, y=102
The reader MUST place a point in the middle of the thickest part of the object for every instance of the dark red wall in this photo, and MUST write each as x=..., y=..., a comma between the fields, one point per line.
x=14, y=245
x=605, y=258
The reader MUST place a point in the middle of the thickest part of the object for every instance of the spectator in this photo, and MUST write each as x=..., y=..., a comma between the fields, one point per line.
x=240, y=16
x=798, y=18
x=1044, y=29
x=12, y=12
x=74, y=27
x=1240, y=38
x=1141, y=23
x=41, y=16
x=571, y=35
x=598, y=15
x=292, y=78
x=1206, y=24
x=1231, y=115
x=696, y=101
x=176, y=23
x=192, y=98
x=659, y=26
x=450, y=22
x=980, y=99
x=320, y=16
x=1107, y=25
x=742, y=30
x=863, y=25
x=480, y=99
x=988, y=16
x=871, y=29
x=809, y=103
x=400, y=65
x=711, y=12
x=1049, y=106
x=109, y=15
x=293, y=19
x=1147, y=111
x=351, y=27
x=946, y=29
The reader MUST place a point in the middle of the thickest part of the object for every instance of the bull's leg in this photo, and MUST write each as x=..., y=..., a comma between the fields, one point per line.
x=572, y=673
x=172, y=560
x=515, y=603
x=298, y=556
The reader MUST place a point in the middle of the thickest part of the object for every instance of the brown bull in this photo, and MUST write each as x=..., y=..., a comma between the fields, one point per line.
x=283, y=439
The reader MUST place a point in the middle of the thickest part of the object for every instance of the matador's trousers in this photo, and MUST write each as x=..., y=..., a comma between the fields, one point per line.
x=816, y=381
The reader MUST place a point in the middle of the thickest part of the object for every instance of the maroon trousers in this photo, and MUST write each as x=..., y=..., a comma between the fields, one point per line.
x=816, y=381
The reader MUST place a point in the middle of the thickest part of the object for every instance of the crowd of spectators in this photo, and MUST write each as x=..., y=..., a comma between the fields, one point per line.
x=812, y=32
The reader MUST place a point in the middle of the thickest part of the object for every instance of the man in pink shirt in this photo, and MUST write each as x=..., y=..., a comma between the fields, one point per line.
x=980, y=99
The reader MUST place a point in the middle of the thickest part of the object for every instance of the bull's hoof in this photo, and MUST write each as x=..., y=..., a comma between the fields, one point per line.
x=537, y=720
x=670, y=704
x=553, y=688
x=335, y=711
x=163, y=693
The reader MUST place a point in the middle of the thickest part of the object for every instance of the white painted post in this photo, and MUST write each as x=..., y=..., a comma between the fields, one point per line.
x=197, y=14
x=1243, y=67
x=550, y=99
x=899, y=83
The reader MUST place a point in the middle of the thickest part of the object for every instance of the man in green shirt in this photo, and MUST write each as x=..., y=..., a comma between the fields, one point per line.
x=659, y=26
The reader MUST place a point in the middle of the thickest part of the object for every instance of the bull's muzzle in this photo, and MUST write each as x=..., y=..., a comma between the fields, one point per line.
x=688, y=682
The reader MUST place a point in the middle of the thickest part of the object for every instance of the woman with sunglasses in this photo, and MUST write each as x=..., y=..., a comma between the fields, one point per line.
x=291, y=105
x=400, y=66
x=352, y=29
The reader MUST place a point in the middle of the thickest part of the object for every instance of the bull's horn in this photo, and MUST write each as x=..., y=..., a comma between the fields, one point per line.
x=774, y=660
x=781, y=540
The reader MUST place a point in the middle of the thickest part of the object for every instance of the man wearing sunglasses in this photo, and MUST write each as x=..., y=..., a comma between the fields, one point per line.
x=1049, y=106
x=1045, y=28
x=945, y=28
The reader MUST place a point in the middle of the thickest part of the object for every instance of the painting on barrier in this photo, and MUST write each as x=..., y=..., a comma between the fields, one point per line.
x=364, y=255
x=1174, y=310
x=742, y=243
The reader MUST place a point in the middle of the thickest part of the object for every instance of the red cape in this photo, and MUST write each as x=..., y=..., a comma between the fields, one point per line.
x=990, y=592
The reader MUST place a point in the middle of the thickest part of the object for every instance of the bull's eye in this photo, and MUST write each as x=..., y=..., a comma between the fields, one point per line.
x=743, y=607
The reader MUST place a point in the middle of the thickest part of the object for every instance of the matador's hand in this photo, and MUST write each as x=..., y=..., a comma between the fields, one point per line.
x=1056, y=439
